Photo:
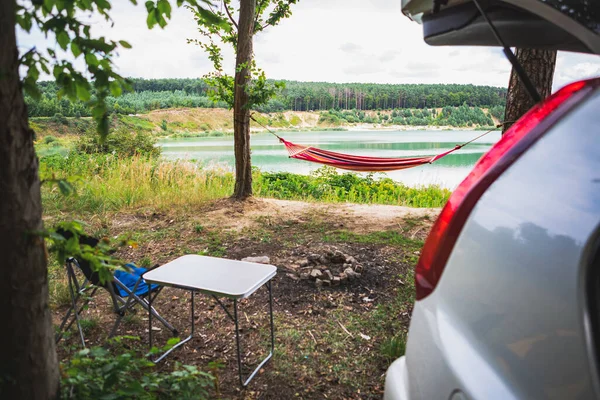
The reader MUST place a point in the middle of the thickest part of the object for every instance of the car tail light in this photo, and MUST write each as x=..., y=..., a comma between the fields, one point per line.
x=513, y=143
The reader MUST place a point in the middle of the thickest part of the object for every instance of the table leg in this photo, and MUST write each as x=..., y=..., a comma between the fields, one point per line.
x=181, y=343
x=237, y=340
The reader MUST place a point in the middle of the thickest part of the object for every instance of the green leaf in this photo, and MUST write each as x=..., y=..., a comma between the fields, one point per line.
x=115, y=88
x=63, y=39
x=164, y=7
x=151, y=20
x=75, y=49
x=91, y=59
x=124, y=44
x=209, y=17
x=65, y=187
x=83, y=92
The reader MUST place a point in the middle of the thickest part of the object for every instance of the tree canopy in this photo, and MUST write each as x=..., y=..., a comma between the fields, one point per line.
x=152, y=94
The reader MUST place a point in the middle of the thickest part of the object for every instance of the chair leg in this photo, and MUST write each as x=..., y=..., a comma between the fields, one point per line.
x=115, y=326
x=74, y=307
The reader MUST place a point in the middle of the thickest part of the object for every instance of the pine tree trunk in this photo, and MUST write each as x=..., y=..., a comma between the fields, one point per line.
x=29, y=368
x=241, y=112
x=539, y=65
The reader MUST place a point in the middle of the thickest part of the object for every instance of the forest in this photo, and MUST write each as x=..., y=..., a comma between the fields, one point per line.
x=153, y=94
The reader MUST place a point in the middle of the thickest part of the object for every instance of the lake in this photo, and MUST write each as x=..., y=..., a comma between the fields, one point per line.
x=269, y=155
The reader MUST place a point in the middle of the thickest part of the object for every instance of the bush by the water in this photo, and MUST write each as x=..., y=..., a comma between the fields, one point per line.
x=326, y=184
x=122, y=142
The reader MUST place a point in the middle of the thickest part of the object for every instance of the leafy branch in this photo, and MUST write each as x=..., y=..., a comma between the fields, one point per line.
x=60, y=19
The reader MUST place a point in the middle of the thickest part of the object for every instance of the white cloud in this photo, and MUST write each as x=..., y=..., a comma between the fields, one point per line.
x=333, y=40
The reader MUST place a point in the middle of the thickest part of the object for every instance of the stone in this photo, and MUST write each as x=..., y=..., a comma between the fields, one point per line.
x=304, y=276
x=316, y=273
x=293, y=277
x=358, y=268
x=326, y=282
x=324, y=260
x=347, y=266
x=338, y=257
x=350, y=260
x=303, y=263
x=343, y=277
x=328, y=274
x=336, y=280
x=313, y=258
x=351, y=273
x=318, y=283
x=259, y=259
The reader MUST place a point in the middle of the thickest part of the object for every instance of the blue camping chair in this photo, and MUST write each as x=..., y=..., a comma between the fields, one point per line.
x=126, y=289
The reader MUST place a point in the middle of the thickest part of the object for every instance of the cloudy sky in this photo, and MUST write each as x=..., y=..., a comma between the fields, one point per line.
x=324, y=40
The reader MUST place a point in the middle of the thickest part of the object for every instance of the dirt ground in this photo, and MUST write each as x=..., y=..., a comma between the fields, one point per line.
x=332, y=342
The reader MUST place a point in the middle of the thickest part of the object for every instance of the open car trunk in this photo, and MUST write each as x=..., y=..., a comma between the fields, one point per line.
x=570, y=25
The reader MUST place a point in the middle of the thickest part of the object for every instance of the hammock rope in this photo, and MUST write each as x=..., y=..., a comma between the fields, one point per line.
x=362, y=163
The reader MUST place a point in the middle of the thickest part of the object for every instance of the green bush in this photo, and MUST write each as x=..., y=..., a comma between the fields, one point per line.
x=326, y=184
x=97, y=373
x=121, y=142
x=204, y=126
x=163, y=125
x=60, y=119
x=295, y=120
x=49, y=139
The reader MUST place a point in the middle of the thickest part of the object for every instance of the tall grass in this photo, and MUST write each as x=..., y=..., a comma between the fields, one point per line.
x=111, y=183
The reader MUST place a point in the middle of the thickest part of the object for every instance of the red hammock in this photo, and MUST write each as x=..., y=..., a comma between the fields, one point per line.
x=359, y=163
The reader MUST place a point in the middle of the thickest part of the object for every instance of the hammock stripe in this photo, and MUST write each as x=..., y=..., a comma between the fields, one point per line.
x=358, y=163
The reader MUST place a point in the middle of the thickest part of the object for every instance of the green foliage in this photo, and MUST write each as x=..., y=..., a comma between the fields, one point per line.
x=98, y=373
x=295, y=120
x=49, y=139
x=394, y=347
x=301, y=96
x=163, y=125
x=99, y=256
x=497, y=112
x=122, y=142
x=221, y=85
x=326, y=184
x=60, y=119
x=75, y=39
x=115, y=183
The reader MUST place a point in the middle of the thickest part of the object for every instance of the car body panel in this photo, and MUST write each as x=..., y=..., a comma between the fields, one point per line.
x=508, y=318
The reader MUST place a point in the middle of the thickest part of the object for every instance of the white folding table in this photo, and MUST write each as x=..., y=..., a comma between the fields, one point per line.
x=216, y=277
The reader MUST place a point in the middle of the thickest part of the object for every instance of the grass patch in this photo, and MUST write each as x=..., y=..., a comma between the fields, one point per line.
x=112, y=183
x=390, y=238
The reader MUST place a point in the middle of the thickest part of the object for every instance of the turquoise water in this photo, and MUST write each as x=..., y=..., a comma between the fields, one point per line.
x=269, y=155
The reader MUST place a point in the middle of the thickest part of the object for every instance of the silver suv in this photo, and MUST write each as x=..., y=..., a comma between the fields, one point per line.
x=508, y=283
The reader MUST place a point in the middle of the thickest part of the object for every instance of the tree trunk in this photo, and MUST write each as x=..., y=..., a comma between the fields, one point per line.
x=29, y=368
x=539, y=65
x=241, y=111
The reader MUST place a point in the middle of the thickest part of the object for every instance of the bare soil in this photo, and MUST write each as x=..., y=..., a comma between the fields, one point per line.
x=331, y=342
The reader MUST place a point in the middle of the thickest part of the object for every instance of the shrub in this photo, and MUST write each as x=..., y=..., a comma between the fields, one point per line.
x=49, y=139
x=60, y=119
x=122, y=142
x=295, y=120
x=96, y=373
x=204, y=126
x=163, y=125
